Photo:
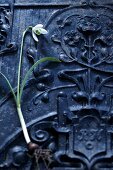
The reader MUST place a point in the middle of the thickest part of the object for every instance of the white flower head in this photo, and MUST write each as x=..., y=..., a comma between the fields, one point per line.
x=37, y=30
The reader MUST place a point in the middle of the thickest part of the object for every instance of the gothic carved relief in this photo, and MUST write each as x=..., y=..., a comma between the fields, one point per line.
x=75, y=97
x=5, y=26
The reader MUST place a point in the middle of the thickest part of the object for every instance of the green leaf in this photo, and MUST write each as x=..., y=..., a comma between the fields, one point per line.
x=9, y=86
x=31, y=69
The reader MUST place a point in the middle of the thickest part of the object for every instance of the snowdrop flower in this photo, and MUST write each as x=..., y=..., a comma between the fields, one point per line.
x=37, y=30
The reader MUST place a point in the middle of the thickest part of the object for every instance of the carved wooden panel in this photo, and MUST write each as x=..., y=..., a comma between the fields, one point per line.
x=68, y=107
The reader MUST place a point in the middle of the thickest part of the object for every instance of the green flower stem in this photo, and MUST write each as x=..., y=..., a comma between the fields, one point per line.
x=26, y=135
x=23, y=125
x=18, y=96
x=19, y=67
x=20, y=114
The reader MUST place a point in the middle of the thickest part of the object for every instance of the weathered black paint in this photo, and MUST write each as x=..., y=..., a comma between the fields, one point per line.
x=67, y=106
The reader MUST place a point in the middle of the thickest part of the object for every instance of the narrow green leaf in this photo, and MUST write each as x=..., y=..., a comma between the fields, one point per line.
x=9, y=86
x=19, y=66
x=31, y=69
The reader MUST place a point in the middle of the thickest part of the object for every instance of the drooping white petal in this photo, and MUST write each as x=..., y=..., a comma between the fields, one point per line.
x=37, y=27
x=42, y=31
x=34, y=36
x=37, y=30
